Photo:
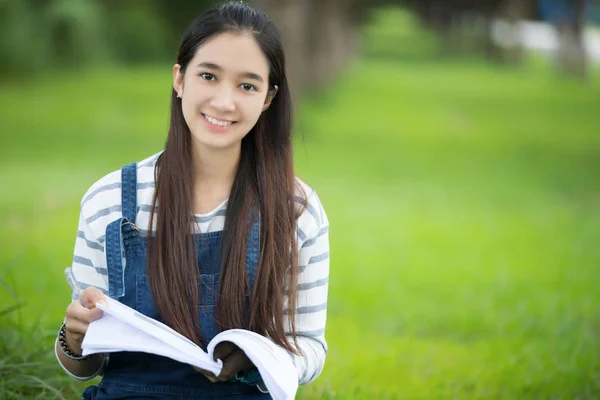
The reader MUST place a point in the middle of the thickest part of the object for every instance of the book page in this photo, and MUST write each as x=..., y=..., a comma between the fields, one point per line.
x=124, y=329
x=110, y=335
x=274, y=364
x=128, y=330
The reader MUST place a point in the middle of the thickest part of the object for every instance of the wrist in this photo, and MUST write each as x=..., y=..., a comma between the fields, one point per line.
x=67, y=346
x=81, y=370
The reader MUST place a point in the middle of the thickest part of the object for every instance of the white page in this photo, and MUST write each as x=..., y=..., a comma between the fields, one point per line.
x=110, y=334
x=149, y=330
x=124, y=329
x=274, y=364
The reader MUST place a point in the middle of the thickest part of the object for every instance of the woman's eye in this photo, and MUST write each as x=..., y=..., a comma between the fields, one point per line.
x=248, y=87
x=208, y=77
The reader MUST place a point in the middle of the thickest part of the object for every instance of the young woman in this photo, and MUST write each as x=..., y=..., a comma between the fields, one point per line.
x=215, y=232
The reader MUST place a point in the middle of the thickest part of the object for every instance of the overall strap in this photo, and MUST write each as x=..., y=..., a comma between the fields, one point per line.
x=129, y=192
x=115, y=255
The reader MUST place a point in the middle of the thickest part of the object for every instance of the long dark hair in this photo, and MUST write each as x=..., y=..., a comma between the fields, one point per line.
x=264, y=182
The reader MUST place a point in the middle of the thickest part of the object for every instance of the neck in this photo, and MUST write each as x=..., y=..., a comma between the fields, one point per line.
x=215, y=170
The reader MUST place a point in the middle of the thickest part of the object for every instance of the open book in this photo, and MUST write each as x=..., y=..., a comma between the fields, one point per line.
x=124, y=329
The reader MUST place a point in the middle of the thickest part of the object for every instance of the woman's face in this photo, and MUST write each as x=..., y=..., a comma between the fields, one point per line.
x=224, y=89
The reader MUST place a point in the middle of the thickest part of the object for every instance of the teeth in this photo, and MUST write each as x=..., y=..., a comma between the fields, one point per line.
x=217, y=122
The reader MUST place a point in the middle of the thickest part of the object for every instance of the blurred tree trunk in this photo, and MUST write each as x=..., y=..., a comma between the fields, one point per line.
x=448, y=18
x=333, y=40
x=515, y=12
x=444, y=21
x=320, y=37
x=489, y=11
x=291, y=17
x=571, y=56
x=439, y=16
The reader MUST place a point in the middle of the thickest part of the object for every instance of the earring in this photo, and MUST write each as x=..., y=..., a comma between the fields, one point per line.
x=178, y=95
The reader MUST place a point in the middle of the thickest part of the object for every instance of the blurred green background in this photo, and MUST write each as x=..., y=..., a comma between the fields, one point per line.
x=462, y=193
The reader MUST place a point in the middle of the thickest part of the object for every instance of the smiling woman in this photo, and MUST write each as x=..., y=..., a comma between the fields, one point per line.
x=226, y=91
x=214, y=232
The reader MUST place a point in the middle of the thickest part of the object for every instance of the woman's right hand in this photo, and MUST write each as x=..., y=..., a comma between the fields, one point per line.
x=80, y=313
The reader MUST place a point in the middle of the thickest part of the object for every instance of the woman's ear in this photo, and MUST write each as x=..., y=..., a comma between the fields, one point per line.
x=178, y=80
x=270, y=96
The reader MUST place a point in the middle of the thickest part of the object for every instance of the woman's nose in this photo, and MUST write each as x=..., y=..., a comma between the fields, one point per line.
x=223, y=99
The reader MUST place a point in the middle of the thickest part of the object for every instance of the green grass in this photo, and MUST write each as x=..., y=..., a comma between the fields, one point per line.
x=27, y=368
x=463, y=203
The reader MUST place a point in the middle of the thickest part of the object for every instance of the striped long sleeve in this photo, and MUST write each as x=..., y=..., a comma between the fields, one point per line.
x=89, y=260
x=313, y=279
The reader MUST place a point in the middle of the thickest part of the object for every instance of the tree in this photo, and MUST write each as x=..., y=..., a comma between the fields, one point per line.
x=320, y=36
x=571, y=55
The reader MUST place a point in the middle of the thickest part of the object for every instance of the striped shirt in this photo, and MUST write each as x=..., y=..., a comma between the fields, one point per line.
x=101, y=205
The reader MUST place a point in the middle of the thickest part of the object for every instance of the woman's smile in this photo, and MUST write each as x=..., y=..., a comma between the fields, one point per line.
x=217, y=125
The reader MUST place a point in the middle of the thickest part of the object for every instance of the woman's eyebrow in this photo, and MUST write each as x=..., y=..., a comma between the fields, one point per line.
x=216, y=67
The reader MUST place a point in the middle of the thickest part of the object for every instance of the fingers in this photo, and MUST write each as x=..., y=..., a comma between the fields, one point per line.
x=90, y=296
x=76, y=328
x=79, y=317
x=75, y=331
x=77, y=311
x=223, y=350
x=94, y=314
x=236, y=361
x=209, y=375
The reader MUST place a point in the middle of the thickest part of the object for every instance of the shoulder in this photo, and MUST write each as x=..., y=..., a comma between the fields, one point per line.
x=103, y=198
x=312, y=213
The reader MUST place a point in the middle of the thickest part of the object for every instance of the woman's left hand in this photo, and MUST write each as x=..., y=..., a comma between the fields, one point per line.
x=234, y=360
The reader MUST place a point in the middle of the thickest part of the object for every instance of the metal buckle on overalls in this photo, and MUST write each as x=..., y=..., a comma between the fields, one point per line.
x=132, y=225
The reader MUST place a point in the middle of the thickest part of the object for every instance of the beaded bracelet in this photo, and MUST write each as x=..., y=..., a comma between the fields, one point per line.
x=62, y=344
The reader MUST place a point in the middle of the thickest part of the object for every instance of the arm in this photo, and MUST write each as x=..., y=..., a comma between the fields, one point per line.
x=79, y=369
x=89, y=263
x=311, y=306
x=313, y=280
x=311, y=311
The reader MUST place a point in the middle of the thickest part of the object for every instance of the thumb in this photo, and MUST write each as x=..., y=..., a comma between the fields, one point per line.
x=223, y=350
x=90, y=296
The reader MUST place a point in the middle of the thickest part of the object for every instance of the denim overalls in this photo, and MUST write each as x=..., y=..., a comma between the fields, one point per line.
x=130, y=375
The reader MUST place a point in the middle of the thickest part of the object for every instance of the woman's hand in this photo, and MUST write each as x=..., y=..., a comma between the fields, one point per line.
x=209, y=375
x=79, y=315
x=234, y=360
